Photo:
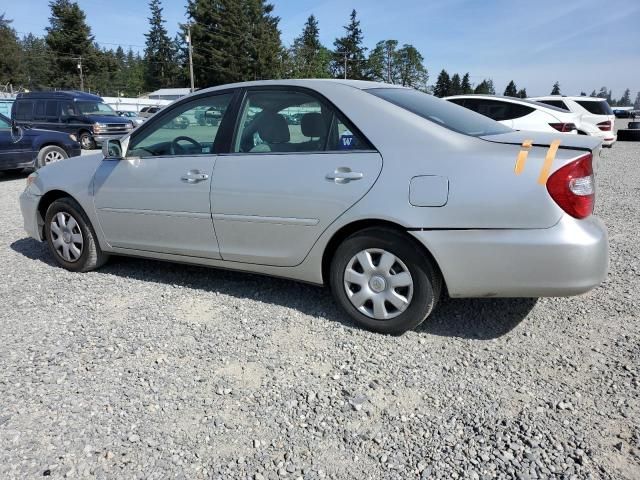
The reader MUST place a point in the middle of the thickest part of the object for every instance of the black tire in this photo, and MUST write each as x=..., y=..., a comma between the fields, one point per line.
x=86, y=140
x=50, y=154
x=633, y=126
x=91, y=256
x=427, y=282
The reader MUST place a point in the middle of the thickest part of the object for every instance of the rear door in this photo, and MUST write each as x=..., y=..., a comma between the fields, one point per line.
x=296, y=165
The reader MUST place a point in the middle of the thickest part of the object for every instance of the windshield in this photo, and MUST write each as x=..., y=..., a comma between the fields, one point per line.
x=447, y=114
x=95, y=108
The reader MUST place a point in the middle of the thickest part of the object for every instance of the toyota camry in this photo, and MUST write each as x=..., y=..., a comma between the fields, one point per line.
x=388, y=195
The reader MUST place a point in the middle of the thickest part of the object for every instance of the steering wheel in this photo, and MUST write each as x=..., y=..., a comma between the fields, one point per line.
x=177, y=149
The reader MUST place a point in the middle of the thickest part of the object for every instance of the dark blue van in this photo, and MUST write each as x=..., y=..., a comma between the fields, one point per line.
x=81, y=114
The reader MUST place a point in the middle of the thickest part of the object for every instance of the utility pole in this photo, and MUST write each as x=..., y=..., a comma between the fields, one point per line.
x=81, y=76
x=190, y=56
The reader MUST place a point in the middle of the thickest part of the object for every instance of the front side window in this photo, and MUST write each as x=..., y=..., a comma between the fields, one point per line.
x=446, y=114
x=282, y=121
x=179, y=132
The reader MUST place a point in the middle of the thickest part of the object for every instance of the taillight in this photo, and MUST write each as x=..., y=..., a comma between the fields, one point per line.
x=564, y=127
x=573, y=187
x=605, y=126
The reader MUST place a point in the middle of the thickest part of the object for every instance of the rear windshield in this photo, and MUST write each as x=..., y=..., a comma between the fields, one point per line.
x=597, y=108
x=447, y=114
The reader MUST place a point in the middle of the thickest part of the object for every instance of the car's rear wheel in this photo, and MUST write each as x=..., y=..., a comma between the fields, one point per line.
x=382, y=279
x=86, y=141
x=50, y=154
x=71, y=238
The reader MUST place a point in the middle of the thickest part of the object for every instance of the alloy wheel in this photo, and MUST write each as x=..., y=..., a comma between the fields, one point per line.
x=378, y=284
x=53, y=156
x=66, y=237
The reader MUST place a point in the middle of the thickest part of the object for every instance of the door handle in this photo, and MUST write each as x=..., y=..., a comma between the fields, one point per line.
x=194, y=176
x=344, y=175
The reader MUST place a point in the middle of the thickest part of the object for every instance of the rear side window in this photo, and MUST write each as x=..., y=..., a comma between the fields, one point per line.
x=23, y=110
x=444, y=113
x=597, y=108
x=497, y=110
x=51, y=109
x=555, y=103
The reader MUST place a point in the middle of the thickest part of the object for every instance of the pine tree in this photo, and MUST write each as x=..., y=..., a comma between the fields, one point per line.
x=556, y=89
x=10, y=57
x=350, y=52
x=511, y=90
x=159, y=55
x=466, y=84
x=522, y=93
x=309, y=57
x=636, y=104
x=36, y=62
x=603, y=93
x=264, y=45
x=443, y=84
x=583, y=94
x=485, y=87
x=455, y=87
x=593, y=94
x=70, y=41
x=625, y=101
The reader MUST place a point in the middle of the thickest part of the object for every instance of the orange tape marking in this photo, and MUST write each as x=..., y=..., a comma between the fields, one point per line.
x=548, y=162
x=522, y=156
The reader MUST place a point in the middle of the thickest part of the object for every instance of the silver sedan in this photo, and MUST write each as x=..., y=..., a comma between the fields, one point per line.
x=388, y=195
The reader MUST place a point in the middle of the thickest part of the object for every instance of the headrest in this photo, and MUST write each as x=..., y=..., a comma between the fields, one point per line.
x=273, y=128
x=312, y=125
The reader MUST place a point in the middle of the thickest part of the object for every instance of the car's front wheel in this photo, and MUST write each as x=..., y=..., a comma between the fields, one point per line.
x=71, y=238
x=86, y=141
x=50, y=154
x=383, y=281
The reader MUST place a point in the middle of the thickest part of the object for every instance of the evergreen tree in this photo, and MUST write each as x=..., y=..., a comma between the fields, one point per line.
x=522, y=93
x=625, y=100
x=10, y=57
x=485, y=87
x=593, y=94
x=455, y=87
x=443, y=85
x=310, y=58
x=609, y=97
x=36, y=62
x=70, y=42
x=556, y=89
x=160, y=69
x=350, y=52
x=466, y=84
x=604, y=93
x=636, y=104
x=511, y=90
x=583, y=94
x=264, y=45
x=490, y=87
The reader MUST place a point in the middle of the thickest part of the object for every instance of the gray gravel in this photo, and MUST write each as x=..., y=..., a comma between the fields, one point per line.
x=151, y=370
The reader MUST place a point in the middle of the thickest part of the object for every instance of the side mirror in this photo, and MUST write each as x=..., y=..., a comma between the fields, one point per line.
x=16, y=132
x=112, y=149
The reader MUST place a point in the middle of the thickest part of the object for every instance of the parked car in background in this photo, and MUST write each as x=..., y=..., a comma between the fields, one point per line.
x=133, y=116
x=591, y=111
x=147, y=112
x=207, y=116
x=22, y=147
x=518, y=113
x=445, y=210
x=84, y=115
x=624, y=113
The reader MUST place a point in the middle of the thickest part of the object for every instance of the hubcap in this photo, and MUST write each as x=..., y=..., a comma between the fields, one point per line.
x=66, y=237
x=378, y=284
x=53, y=157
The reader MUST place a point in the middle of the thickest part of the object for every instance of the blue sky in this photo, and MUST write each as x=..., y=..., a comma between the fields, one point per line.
x=584, y=44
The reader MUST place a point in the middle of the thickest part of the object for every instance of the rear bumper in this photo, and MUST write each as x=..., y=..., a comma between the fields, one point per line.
x=567, y=259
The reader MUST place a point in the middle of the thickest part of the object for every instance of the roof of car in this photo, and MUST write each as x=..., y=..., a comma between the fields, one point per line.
x=560, y=97
x=310, y=82
x=69, y=94
x=526, y=101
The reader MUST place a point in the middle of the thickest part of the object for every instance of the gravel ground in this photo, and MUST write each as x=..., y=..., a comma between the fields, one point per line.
x=151, y=370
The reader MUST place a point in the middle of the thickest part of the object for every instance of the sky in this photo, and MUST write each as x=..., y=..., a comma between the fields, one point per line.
x=583, y=44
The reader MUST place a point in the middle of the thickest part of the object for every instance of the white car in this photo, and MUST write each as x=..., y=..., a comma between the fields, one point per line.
x=595, y=115
x=518, y=113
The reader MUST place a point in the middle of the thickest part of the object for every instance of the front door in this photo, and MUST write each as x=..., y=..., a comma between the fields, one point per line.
x=158, y=197
x=15, y=147
x=296, y=165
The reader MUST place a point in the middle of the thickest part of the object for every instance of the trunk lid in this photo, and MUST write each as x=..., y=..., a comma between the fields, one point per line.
x=542, y=139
